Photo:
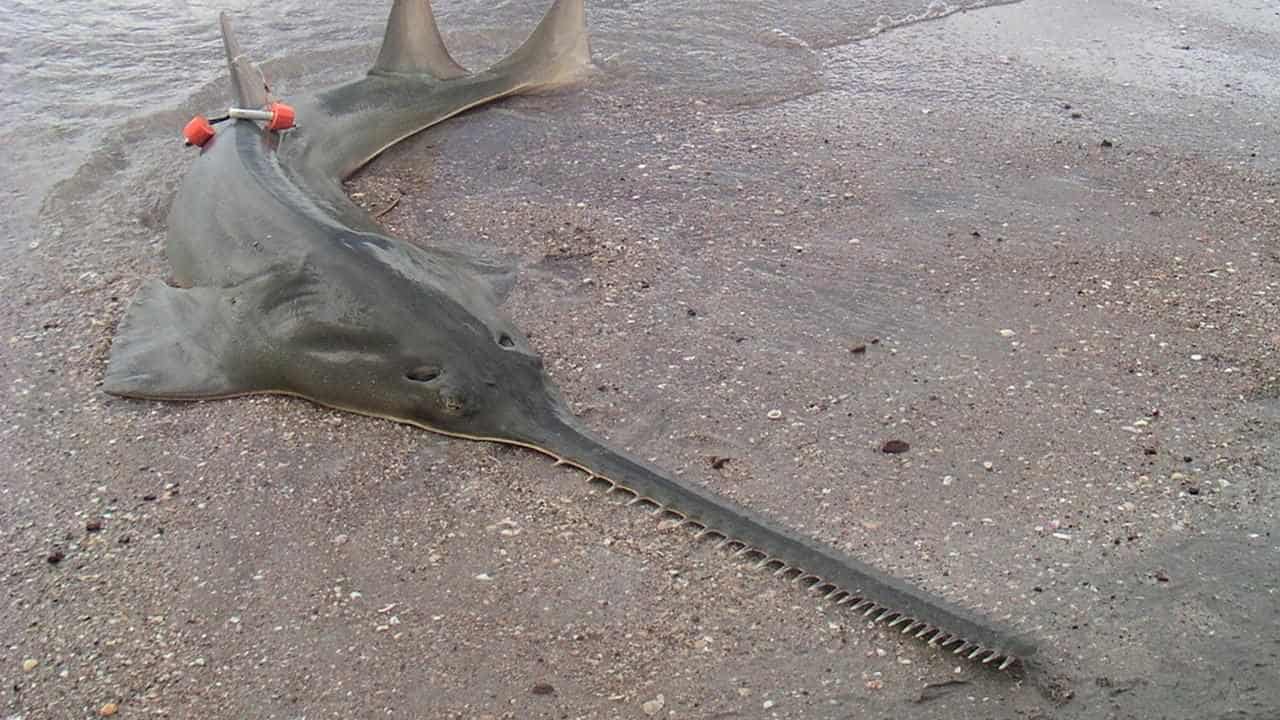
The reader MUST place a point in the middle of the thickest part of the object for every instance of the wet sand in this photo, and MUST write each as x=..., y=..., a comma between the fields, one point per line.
x=1037, y=242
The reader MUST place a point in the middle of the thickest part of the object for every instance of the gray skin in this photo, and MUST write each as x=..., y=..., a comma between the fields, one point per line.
x=286, y=286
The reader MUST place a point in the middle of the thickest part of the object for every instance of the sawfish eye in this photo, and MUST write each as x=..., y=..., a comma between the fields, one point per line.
x=505, y=340
x=423, y=374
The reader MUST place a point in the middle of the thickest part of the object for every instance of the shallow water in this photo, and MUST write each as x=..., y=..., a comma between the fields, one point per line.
x=77, y=71
x=706, y=228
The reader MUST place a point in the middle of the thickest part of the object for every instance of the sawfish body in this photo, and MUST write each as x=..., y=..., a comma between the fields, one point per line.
x=286, y=286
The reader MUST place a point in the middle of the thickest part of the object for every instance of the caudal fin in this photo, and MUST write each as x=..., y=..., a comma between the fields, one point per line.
x=412, y=44
x=247, y=81
x=557, y=52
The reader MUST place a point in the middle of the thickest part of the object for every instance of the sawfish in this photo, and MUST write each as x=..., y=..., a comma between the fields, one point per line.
x=282, y=284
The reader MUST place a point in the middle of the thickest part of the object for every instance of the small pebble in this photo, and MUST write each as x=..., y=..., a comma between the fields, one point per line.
x=895, y=447
x=987, y=465
x=30, y=664
x=108, y=710
x=654, y=706
x=766, y=704
x=542, y=689
x=775, y=414
x=55, y=557
x=93, y=525
x=1007, y=333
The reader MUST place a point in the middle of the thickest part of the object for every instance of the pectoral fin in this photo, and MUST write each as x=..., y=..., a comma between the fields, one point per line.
x=175, y=345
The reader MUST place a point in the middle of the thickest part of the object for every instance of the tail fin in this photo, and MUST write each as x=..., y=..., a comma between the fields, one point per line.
x=247, y=82
x=557, y=52
x=412, y=44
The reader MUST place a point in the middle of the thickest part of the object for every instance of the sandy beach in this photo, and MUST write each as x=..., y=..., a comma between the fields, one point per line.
x=1038, y=242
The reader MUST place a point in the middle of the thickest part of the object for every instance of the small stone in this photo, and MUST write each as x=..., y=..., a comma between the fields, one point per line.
x=1106, y=143
x=542, y=689
x=875, y=684
x=1006, y=332
x=895, y=447
x=30, y=664
x=766, y=704
x=987, y=465
x=93, y=525
x=654, y=706
x=1197, y=356
x=774, y=414
x=340, y=539
x=858, y=349
x=55, y=557
x=484, y=577
x=108, y=710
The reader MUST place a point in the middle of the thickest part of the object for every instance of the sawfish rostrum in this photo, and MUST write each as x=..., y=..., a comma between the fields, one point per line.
x=283, y=285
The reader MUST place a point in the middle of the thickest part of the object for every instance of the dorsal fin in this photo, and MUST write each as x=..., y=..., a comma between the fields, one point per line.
x=412, y=44
x=247, y=81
